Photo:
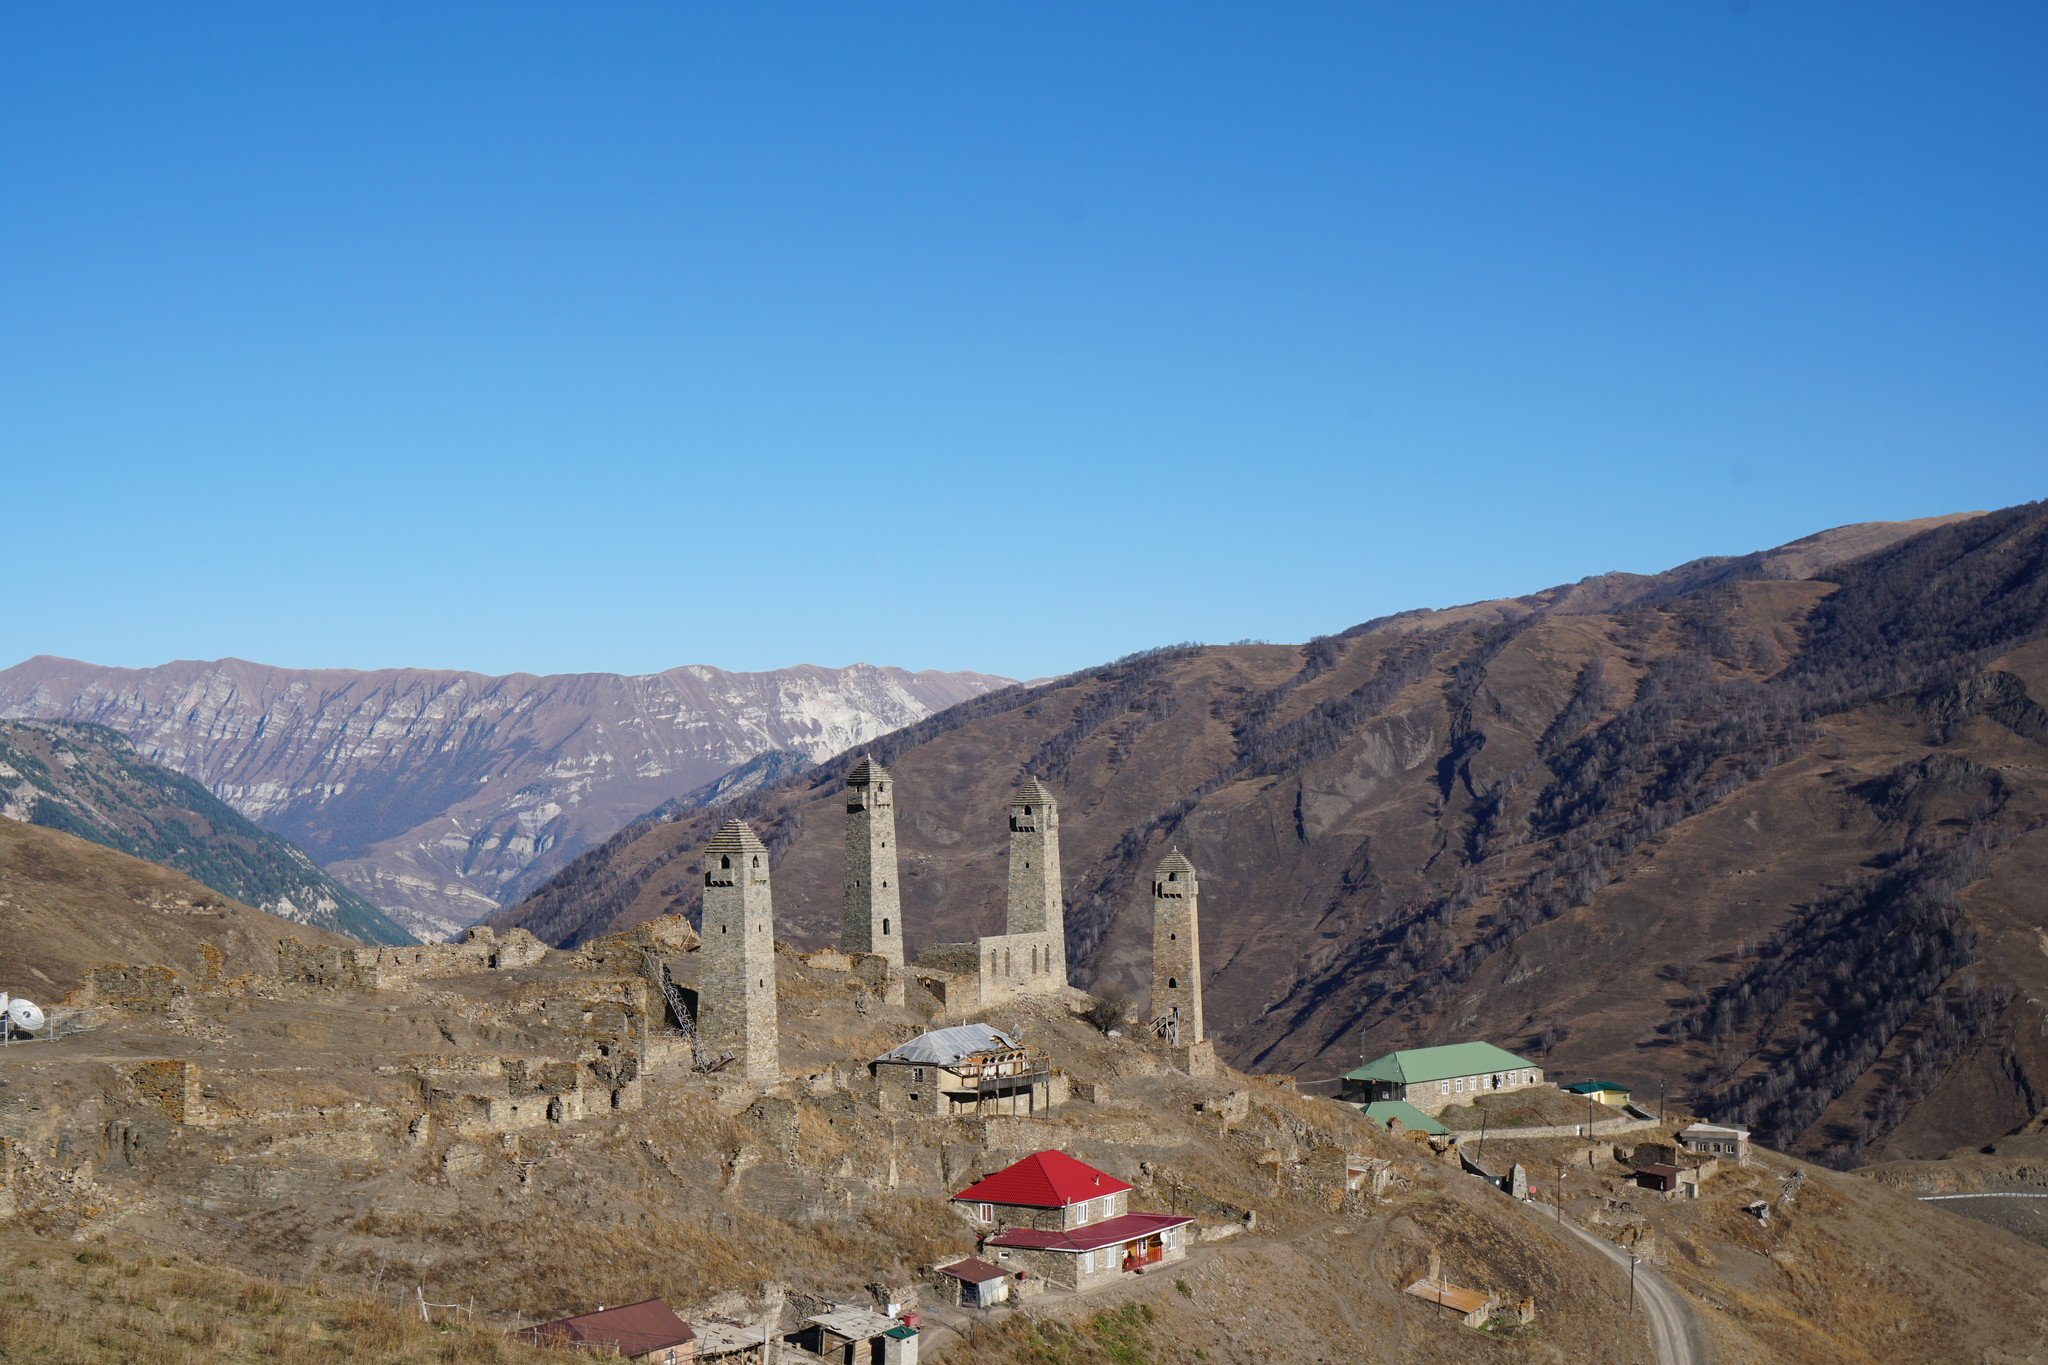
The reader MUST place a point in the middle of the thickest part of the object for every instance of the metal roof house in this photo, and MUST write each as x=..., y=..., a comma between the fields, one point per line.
x=648, y=1330
x=967, y=1069
x=1714, y=1139
x=1431, y=1078
x=1067, y=1223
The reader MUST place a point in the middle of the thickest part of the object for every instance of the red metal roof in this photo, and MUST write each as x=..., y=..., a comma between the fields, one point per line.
x=973, y=1269
x=632, y=1330
x=1128, y=1228
x=1043, y=1180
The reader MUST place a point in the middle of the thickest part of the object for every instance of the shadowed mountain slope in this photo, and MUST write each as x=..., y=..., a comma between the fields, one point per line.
x=88, y=781
x=1762, y=830
x=441, y=795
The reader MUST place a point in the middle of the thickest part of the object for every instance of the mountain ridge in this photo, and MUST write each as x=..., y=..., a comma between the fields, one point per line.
x=437, y=794
x=1419, y=829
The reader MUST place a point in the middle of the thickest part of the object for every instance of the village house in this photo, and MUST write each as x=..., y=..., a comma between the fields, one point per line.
x=1600, y=1092
x=648, y=1331
x=1431, y=1078
x=1068, y=1223
x=966, y=1069
x=1713, y=1139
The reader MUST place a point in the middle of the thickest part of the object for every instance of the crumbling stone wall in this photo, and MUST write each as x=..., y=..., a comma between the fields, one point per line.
x=130, y=987
x=171, y=1086
x=374, y=968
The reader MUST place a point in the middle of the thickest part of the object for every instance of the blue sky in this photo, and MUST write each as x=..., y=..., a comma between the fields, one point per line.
x=618, y=336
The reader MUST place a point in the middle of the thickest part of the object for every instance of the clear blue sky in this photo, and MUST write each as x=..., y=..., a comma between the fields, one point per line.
x=559, y=337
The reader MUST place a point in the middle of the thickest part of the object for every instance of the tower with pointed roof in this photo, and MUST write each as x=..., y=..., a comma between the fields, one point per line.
x=871, y=920
x=1176, y=952
x=736, y=996
x=1035, y=905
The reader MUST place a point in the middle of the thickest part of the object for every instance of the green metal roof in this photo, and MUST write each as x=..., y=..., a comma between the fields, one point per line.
x=1594, y=1087
x=1438, y=1064
x=1413, y=1119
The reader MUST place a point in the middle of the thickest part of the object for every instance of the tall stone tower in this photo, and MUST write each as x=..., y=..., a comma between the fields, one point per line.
x=1035, y=903
x=872, y=920
x=1176, y=951
x=736, y=996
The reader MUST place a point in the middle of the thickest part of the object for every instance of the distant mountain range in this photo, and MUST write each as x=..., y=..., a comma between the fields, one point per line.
x=88, y=781
x=1769, y=831
x=440, y=795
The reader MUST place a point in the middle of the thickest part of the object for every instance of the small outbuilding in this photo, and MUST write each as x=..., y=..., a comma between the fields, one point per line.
x=980, y=1284
x=1658, y=1176
x=1602, y=1092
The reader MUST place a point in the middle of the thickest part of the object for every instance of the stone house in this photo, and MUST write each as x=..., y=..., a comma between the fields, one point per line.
x=1432, y=1078
x=1068, y=1224
x=1713, y=1139
x=967, y=1069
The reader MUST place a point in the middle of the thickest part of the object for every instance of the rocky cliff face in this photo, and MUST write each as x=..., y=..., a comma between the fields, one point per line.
x=1769, y=831
x=441, y=795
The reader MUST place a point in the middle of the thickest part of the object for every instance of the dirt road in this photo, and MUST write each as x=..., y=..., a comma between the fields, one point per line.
x=1674, y=1331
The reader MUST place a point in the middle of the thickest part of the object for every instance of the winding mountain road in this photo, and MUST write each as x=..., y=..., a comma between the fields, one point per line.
x=1674, y=1332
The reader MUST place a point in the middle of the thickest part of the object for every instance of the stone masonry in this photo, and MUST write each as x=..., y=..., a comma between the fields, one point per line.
x=1176, y=952
x=872, y=920
x=736, y=997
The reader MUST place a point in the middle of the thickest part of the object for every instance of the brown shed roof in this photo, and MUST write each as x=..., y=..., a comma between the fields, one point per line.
x=973, y=1269
x=632, y=1330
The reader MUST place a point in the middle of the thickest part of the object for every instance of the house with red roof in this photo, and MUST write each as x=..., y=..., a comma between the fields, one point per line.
x=1068, y=1223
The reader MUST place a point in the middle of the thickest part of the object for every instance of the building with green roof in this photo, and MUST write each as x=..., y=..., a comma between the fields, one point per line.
x=1432, y=1077
x=1605, y=1092
x=1388, y=1112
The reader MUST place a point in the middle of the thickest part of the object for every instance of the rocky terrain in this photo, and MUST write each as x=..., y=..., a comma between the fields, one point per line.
x=440, y=796
x=88, y=781
x=1766, y=832
x=526, y=1140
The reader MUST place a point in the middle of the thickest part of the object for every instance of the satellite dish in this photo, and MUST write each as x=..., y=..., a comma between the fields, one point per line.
x=22, y=1016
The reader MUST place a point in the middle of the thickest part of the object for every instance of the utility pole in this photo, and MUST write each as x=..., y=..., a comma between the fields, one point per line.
x=1660, y=1101
x=1631, y=1283
x=1483, y=1116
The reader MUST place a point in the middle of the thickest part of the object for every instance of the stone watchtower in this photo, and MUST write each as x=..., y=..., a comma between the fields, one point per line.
x=1176, y=952
x=736, y=995
x=872, y=920
x=1035, y=905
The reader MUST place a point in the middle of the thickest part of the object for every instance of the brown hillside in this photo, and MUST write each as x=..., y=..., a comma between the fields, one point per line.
x=1765, y=840
x=67, y=906
x=338, y=1137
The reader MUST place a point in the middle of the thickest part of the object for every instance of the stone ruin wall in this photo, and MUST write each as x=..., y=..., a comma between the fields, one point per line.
x=383, y=968
x=171, y=1087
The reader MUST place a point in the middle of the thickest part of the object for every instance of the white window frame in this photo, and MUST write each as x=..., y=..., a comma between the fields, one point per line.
x=985, y=1212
